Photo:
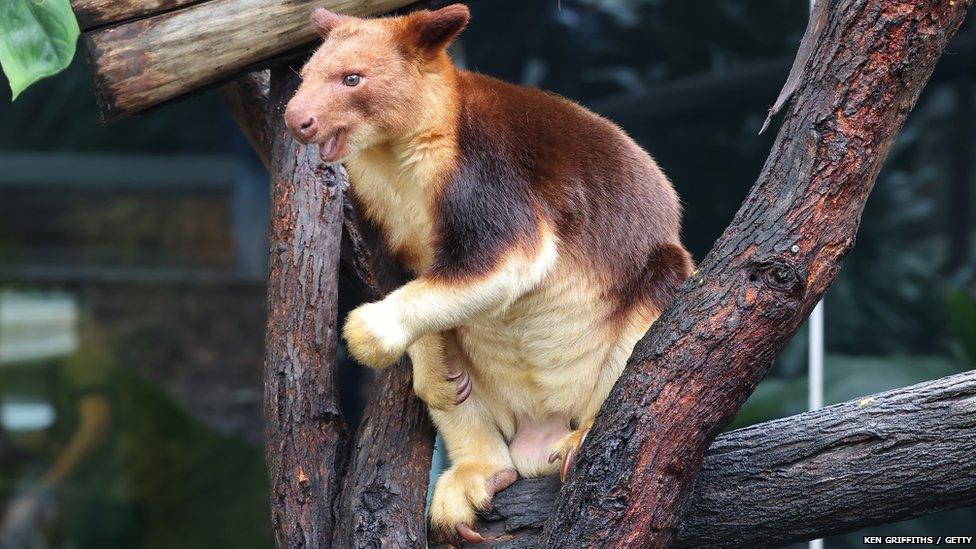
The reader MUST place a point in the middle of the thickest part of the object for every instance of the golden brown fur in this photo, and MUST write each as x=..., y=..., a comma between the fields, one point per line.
x=544, y=240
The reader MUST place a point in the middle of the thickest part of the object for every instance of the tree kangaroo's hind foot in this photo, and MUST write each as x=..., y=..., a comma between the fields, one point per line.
x=463, y=490
x=567, y=449
x=443, y=392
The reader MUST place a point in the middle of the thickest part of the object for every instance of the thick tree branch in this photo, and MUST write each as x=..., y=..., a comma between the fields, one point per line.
x=384, y=488
x=893, y=456
x=141, y=63
x=306, y=435
x=695, y=368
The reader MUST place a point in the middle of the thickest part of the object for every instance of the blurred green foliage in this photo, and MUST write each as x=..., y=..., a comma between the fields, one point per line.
x=37, y=40
x=962, y=323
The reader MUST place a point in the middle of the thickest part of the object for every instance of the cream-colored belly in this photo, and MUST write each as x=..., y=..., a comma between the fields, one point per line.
x=549, y=351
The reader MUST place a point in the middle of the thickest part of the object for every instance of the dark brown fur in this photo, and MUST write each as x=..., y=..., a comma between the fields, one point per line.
x=529, y=156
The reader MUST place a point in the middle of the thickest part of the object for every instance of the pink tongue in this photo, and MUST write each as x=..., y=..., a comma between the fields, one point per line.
x=327, y=149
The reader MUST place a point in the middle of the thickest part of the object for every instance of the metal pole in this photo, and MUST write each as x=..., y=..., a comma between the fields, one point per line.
x=816, y=356
x=815, y=384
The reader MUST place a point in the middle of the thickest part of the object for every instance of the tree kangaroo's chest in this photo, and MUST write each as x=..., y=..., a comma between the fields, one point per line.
x=399, y=206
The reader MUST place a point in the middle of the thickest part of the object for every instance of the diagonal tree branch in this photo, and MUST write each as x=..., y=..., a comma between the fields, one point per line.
x=695, y=368
x=247, y=97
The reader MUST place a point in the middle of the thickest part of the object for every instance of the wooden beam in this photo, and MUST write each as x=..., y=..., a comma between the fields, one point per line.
x=142, y=63
x=96, y=13
x=896, y=455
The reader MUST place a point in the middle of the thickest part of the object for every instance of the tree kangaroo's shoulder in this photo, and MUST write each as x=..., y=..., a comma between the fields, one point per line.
x=485, y=210
x=530, y=166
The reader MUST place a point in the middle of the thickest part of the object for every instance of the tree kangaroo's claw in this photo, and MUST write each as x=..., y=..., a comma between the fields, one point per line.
x=571, y=448
x=567, y=464
x=469, y=535
x=463, y=382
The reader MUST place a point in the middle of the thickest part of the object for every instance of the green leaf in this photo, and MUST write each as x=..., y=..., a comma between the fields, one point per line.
x=37, y=40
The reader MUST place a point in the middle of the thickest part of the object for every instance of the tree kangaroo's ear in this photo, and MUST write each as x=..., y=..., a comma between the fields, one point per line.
x=324, y=21
x=435, y=30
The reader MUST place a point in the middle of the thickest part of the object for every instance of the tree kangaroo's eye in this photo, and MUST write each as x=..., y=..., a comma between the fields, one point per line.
x=352, y=80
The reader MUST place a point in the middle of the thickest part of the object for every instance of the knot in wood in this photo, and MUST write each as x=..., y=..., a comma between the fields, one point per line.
x=780, y=287
x=779, y=274
x=327, y=175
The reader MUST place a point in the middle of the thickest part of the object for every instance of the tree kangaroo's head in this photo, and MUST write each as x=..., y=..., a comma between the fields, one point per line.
x=374, y=80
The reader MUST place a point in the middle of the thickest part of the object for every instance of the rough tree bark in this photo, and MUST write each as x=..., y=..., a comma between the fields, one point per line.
x=893, y=456
x=695, y=368
x=385, y=489
x=306, y=435
x=95, y=13
x=384, y=485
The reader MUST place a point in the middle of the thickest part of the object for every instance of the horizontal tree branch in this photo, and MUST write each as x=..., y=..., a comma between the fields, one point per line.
x=897, y=455
x=142, y=63
x=95, y=13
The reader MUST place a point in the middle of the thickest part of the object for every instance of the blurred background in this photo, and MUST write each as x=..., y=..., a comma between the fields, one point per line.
x=133, y=260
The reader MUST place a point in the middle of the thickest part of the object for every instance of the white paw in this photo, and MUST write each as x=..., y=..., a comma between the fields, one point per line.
x=374, y=336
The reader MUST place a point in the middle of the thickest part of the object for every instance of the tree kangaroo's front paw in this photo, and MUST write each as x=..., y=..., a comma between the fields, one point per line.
x=461, y=491
x=442, y=393
x=374, y=336
x=567, y=448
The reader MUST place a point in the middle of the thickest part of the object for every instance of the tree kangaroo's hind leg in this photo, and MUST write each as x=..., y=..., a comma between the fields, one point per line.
x=481, y=464
x=567, y=448
x=437, y=381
